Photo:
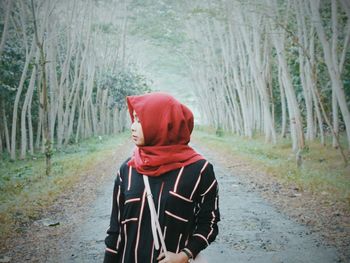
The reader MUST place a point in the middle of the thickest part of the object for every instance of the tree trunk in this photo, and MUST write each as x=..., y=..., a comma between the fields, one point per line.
x=53, y=87
x=1, y=147
x=123, y=46
x=305, y=71
x=331, y=60
x=335, y=121
x=293, y=107
x=46, y=126
x=283, y=104
x=15, y=106
x=40, y=117
x=30, y=126
x=6, y=130
x=25, y=106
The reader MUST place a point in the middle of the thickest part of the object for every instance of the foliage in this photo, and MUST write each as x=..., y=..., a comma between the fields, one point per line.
x=346, y=79
x=321, y=171
x=260, y=22
x=25, y=191
x=124, y=83
x=163, y=25
x=161, y=21
x=11, y=65
x=75, y=48
x=107, y=28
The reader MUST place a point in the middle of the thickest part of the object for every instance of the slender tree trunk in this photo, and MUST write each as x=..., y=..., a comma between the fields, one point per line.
x=293, y=108
x=283, y=104
x=47, y=135
x=69, y=112
x=24, y=137
x=30, y=126
x=15, y=106
x=79, y=131
x=61, y=113
x=1, y=147
x=125, y=22
x=94, y=122
x=317, y=104
x=53, y=87
x=335, y=120
x=330, y=55
x=305, y=71
x=6, y=130
x=40, y=117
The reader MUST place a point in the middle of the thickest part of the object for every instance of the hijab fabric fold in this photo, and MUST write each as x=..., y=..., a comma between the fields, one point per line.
x=167, y=126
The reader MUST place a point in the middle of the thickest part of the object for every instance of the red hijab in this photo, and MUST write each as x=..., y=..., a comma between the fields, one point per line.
x=167, y=126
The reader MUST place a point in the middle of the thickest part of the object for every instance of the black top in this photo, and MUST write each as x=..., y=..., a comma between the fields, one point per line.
x=186, y=200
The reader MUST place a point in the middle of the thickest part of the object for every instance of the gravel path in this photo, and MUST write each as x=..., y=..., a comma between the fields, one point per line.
x=89, y=237
x=251, y=229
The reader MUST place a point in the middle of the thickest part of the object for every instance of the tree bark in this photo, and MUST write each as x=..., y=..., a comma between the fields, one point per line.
x=45, y=106
x=296, y=128
x=15, y=106
x=6, y=130
x=29, y=93
x=331, y=60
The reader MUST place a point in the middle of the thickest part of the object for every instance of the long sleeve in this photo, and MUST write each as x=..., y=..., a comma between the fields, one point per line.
x=187, y=201
x=208, y=214
x=113, y=237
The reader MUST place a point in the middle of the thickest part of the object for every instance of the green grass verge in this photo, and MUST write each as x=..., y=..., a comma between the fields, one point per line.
x=322, y=171
x=25, y=190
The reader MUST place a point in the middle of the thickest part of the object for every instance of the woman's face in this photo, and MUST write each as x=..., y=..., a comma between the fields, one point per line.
x=136, y=131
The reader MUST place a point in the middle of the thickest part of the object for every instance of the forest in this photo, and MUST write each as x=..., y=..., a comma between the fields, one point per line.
x=268, y=82
x=274, y=68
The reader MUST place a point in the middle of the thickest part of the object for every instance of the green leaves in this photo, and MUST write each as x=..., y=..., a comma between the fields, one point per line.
x=124, y=83
x=11, y=64
x=162, y=21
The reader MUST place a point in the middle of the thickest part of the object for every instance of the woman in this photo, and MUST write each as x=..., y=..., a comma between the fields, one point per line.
x=182, y=183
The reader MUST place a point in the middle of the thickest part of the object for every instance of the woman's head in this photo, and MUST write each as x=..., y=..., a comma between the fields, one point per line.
x=160, y=118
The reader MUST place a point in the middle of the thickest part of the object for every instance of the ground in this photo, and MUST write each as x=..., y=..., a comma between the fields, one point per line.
x=261, y=220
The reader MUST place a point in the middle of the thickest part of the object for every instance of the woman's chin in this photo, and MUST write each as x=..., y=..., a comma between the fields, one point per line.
x=136, y=142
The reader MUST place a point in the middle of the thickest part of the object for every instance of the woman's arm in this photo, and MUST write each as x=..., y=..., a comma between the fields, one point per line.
x=112, y=238
x=206, y=228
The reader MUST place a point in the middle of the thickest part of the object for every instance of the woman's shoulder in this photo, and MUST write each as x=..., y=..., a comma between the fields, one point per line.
x=124, y=167
x=201, y=165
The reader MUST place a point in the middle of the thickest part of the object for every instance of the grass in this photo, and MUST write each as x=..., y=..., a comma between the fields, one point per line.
x=322, y=170
x=25, y=190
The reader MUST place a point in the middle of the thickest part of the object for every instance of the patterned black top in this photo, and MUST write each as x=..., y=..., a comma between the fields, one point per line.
x=186, y=200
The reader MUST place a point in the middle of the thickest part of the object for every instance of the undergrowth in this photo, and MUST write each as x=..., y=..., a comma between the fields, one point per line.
x=322, y=170
x=25, y=190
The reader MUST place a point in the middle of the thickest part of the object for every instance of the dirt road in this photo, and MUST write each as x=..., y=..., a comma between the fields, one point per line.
x=251, y=229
